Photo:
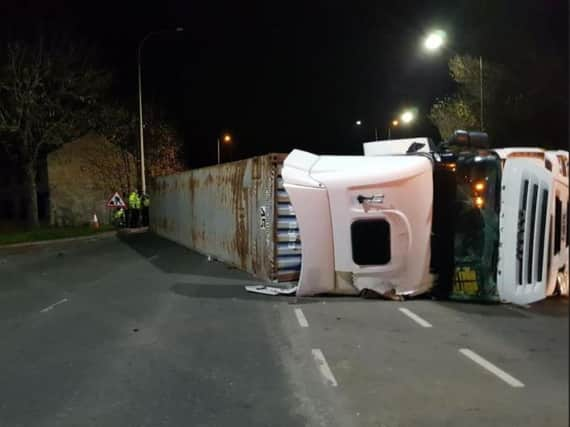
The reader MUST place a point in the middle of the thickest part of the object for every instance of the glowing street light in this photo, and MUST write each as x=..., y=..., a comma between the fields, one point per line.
x=395, y=123
x=359, y=123
x=434, y=40
x=227, y=139
x=407, y=117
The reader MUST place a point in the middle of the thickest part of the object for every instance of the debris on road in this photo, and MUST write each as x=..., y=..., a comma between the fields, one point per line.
x=390, y=294
x=271, y=290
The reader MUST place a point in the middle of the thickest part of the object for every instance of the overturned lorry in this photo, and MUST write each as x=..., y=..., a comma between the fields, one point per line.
x=462, y=220
x=459, y=220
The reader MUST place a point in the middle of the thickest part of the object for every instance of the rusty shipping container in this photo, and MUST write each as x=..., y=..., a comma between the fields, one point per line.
x=238, y=213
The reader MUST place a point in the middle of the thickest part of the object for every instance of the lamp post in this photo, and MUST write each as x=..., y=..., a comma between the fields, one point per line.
x=393, y=124
x=481, y=89
x=141, y=126
x=406, y=117
x=358, y=123
x=227, y=138
x=436, y=40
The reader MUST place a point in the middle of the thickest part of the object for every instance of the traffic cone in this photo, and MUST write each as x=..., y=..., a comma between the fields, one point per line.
x=95, y=223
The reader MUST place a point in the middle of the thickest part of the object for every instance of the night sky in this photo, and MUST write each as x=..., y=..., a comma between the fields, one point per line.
x=297, y=74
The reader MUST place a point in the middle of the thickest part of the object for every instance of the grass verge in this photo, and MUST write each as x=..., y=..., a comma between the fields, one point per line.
x=49, y=233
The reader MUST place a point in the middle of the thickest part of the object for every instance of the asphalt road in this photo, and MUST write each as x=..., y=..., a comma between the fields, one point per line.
x=141, y=332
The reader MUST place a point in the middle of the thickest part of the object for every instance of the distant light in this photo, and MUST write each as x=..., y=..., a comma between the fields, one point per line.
x=179, y=29
x=407, y=116
x=358, y=122
x=434, y=40
x=227, y=138
x=479, y=186
x=479, y=202
x=395, y=122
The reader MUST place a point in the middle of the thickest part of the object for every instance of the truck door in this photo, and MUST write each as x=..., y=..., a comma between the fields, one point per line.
x=381, y=211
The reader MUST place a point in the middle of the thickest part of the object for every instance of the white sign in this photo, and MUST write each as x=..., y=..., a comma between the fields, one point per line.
x=262, y=217
x=116, y=202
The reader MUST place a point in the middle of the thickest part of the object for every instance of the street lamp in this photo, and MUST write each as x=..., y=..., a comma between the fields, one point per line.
x=359, y=123
x=227, y=139
x=394, y=124
x=407, y=117
x=139, y=55
x=436, y=40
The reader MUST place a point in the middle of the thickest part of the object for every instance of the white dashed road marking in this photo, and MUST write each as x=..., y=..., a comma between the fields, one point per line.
x=324, y=367
x=301, y=318
x=415, y=318
x=50, y=307
x=513, y=382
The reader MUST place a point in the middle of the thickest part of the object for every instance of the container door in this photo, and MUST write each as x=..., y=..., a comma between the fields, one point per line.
x=288, y=237
x=524, y=223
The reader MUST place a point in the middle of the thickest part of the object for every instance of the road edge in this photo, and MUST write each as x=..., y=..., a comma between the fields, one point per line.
x=104, y=234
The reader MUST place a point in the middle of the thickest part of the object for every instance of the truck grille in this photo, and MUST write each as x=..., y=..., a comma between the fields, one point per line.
x=532, y=217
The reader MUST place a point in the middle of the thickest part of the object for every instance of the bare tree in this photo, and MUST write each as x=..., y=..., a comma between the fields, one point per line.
x=163, y=146
x=462, y=110
x=118, y=125
x=452, y=113
x=49, y=92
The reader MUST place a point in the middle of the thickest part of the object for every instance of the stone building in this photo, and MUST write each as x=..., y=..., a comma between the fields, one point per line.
x=81, y=177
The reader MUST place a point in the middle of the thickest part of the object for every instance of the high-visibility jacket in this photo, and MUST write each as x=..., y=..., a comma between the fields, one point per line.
x=134, y=201
x=119, y=213
x=145, y=200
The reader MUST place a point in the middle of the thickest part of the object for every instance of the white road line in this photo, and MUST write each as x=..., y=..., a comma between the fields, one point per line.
x=50, y=307
x=301, y=318
x=415, y=317
x=512, y=381
x=324, y=367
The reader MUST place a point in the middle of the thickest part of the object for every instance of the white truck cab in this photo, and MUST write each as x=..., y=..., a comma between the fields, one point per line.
x=365, y=222
x=476, y=223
